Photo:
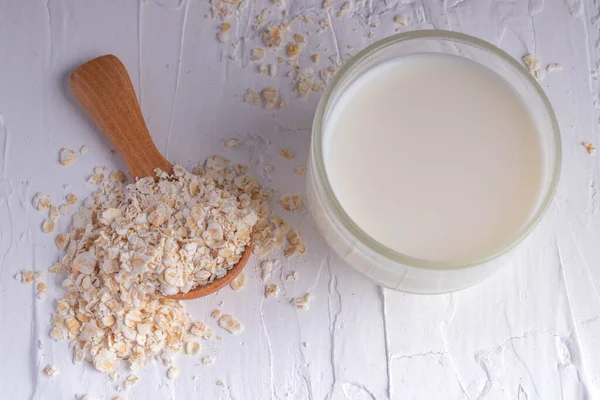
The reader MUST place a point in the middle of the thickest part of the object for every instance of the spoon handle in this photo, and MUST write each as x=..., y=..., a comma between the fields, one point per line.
x=105, y=91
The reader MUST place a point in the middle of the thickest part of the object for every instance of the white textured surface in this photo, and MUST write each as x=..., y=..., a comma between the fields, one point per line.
x=531, y=331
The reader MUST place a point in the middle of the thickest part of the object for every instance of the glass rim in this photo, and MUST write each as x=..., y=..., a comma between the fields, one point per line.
x=340, y=214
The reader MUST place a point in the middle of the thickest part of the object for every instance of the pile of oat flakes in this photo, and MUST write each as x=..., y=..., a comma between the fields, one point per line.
x=130, y=244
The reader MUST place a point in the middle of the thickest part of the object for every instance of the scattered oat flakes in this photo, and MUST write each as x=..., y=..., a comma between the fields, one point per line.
x=41, y=202
x=192, y=347
x=591, y=149
x=302, y=302
x=115, y=236
x=270, y=95
x=252, y=97
x=301, y=170
x=285, y=153
x=271, y=290
x=293, y=276
x=401, y=20
x=272, y=37
x=67, y=156
x=291, y=203
x=50, y=370
x=173, y=373
x=215, y=313
x=84, y=149
x=48, y=226
x=315, y=58
x=257, y=53
x=293, y=49
x=230, y=324
x=220, y=383
x=238, y=282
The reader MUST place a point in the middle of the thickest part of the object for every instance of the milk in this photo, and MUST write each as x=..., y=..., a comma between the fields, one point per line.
x=435, y=157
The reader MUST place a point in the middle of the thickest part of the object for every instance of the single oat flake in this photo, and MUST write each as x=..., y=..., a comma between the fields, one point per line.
x=401, y=20
x=50, y=370
x=62, y=240
x=302, y=302
x=272, y=37
x=266, y=269
x=67, y=156
x=285, y=153
x=257, y=53
x=271, y=290
x=192, y=347
x=252, y=97
x=591, y=149
x=293, y=49
x=270, y=96
x=301, y=170
x=48, y=226
x=41, y=202
x=173, y=373
x=238, y=282
x=230, y=324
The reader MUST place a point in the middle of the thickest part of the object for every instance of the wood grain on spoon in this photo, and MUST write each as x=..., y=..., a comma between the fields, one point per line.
x=105, y=91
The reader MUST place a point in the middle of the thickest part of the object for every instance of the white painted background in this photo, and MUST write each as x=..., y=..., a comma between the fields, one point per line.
x=531, y=331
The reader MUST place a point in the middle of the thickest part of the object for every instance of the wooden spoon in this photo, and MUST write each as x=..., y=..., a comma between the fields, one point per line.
x=104, y=89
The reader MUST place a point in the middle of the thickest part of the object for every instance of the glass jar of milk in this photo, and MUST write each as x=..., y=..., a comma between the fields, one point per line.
x=433, y=155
